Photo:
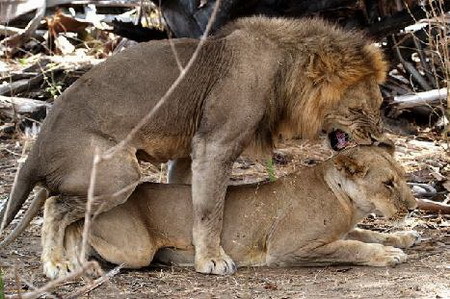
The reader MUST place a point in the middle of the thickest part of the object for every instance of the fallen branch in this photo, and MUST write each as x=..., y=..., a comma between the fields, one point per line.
x=8, y=31
x=430, y=97
x=432, y=206
x=11, y=106
x=21, y=85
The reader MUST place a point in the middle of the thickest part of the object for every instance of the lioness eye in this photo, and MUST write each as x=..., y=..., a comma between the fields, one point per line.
x=389, y=184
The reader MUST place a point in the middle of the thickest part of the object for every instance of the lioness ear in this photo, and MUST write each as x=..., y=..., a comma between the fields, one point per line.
x=350, y=166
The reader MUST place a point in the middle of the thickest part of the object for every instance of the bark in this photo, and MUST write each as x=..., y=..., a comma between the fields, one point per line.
x=432, y=206
x=11, y=106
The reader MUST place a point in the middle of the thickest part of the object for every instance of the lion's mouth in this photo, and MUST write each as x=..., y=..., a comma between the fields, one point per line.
x=338, y=139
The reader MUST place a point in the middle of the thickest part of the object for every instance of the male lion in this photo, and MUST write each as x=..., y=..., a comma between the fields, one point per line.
x=257, y=79
x=306, y=218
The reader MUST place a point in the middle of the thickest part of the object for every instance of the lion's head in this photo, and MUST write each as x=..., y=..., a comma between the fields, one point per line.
x=374, y=181
x=341, y=94
x=357, y=118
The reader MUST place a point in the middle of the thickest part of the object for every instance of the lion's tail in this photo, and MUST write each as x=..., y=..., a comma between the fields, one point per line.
x=33, y=210
x=24, y=182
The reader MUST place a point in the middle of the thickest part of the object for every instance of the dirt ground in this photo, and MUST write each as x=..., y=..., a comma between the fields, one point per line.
x=425, y=275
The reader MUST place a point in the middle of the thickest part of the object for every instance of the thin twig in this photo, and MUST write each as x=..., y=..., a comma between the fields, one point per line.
x=90, y=200
x=95, y=283
x=172, y=46
x=118, y=193
x=410, y=68
x=11, y=152
x=54, y=283
x=31, y=286
x=175, y=53
x=423, y=61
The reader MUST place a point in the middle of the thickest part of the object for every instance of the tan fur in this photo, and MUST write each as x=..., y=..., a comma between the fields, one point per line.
x=257, y=79
x=306, y=218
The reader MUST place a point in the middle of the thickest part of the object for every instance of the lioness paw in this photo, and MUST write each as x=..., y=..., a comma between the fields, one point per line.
x=56, y=269
x=221, y=265
x=405, y=239
x=387, y=256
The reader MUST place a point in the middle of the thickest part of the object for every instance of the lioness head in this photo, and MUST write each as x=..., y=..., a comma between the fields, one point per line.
x=374, y=181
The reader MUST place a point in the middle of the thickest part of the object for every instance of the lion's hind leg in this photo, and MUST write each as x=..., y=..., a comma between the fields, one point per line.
x=401, y=239
x=54, y=260
x=116, y=180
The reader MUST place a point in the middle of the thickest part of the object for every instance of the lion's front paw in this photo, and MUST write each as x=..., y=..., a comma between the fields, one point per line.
x=406, y=239
x=219, y=265
x=387, y=256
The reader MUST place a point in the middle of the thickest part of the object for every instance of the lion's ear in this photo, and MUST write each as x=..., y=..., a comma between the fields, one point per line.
x=379, y=64
x=350, y=166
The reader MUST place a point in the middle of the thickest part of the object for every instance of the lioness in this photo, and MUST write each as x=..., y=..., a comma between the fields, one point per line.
x=306, y=218
x=256, y=79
